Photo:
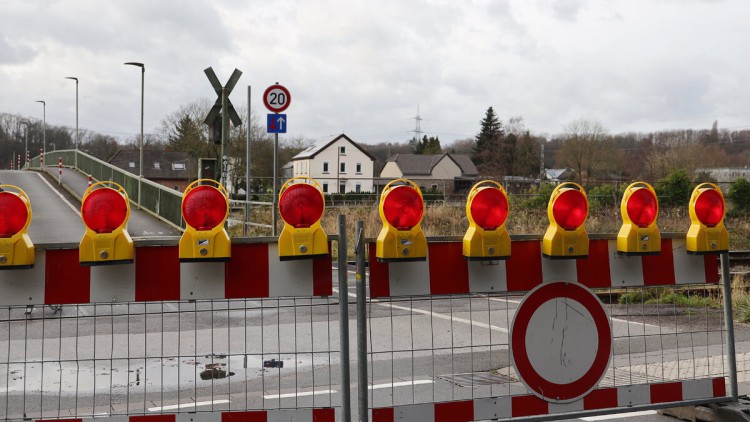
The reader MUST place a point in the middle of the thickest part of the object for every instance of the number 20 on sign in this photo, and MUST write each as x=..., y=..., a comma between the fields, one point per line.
x=277, y=98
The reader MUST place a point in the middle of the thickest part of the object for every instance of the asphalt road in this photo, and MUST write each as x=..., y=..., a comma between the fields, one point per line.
x=105, y=359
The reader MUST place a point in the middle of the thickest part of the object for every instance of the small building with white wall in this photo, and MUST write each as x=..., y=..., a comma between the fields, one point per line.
x=339, y=165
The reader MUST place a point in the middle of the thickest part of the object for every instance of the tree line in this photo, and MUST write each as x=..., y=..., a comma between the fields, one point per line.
x=498, y=150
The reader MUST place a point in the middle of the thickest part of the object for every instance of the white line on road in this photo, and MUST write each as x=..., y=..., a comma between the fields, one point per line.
x=619, y=416
x=398, y=384
x=613, y=319
x=75, y=210
x=186, y=405
x=435, y=314
x=302, y=394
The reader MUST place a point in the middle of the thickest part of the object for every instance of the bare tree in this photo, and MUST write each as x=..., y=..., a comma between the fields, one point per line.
x=586, y=148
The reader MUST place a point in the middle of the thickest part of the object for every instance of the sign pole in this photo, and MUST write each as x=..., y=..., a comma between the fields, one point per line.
x=223, y=136
x=275, y=183
x=247, y=168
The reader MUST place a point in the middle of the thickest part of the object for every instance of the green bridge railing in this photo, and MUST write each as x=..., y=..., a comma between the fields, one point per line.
x=160, y=201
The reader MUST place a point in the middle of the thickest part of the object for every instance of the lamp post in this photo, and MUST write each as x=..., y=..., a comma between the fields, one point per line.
x=77, y=138
x=26, y=152
x=140, y=160
x=44, y=128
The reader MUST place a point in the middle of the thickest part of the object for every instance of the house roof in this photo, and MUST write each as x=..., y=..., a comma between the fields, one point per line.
x=123, y=158
x=557, y=174
x=421, y=165
x=319, y=146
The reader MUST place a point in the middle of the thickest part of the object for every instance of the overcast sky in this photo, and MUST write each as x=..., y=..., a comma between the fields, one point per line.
x=362, y=66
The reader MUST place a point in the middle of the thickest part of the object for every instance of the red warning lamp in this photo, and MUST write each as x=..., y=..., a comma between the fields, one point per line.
x=105, y=210
x=301, y=205
x=487, y=210
x=639, y=209
x=205, y=208
x=13, y=214
x=566, y=235
x=709, y=207
x=401, y=210
x=16, y=249
x=707, y=233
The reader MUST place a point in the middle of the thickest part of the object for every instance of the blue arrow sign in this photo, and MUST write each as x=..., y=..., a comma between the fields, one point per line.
x=276, y=123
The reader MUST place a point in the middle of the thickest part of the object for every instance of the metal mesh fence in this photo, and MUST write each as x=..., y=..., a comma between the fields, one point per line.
x=197, y=356
x=444, y=348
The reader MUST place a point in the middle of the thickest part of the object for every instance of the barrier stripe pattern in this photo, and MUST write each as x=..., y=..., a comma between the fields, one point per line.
x=254, y=271
x=447, y=272
x=280, y=415
x=530, y=405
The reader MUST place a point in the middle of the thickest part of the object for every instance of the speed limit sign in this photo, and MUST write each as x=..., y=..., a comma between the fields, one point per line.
x=276, y=98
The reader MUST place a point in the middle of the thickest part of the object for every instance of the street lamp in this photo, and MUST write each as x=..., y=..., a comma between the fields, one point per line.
x=44, y=128
x=26, y=156
x=77, y=138
x=140, y=160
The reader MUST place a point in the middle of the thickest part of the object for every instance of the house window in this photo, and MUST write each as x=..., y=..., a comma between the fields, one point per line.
x=157, y=166
x=178, y=166
x=359, y=168
x=342, y=150
x=358, y=188
x=433, y=188
x=131, y=164
x=325, y=167
x=342, y=187
x=342, y=168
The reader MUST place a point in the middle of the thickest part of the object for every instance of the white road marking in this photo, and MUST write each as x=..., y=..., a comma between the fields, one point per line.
x=399, y=384
x=434, y=314
x=186, y=405
x=302, y=394
x=75, y=210
x=624, y=321
x=619, y=416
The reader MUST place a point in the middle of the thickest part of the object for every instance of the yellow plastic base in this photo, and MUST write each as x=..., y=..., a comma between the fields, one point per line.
x=395, y=245
x=17, y=252
x=302, y=243
x=210, y=245
x=559, y=243
x=707, y=240
x=105, y=248
x=480, y=244
x=634, y=240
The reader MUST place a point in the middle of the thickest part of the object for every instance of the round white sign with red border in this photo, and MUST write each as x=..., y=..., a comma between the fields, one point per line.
x=277, y=98
x=561, y=341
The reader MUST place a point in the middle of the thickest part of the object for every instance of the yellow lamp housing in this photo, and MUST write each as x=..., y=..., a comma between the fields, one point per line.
x=301, y=206
x=487, y=210
x=707, y=233
x=639, y=234
x=205, y=208
x=105, y=210
x=566, y=236
x=16, y=249
x=401, y=210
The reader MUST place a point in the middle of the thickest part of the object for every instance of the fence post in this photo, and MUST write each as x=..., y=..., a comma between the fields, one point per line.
x=361, y=323
x=729, y=321
x=346, y=406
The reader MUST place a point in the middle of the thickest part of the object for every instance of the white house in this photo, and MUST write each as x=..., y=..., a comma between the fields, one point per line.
x=444, y=172
x=339, y=165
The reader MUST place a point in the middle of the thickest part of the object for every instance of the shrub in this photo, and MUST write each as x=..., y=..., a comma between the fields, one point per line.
x=674, y=190
x=538, y=197
x=739, y=193
x=603, y=197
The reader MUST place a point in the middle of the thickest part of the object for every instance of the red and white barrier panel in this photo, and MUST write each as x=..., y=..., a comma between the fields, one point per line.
x=446, y=271
x=278, y=415
x=530, y=405
x=157, y=274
